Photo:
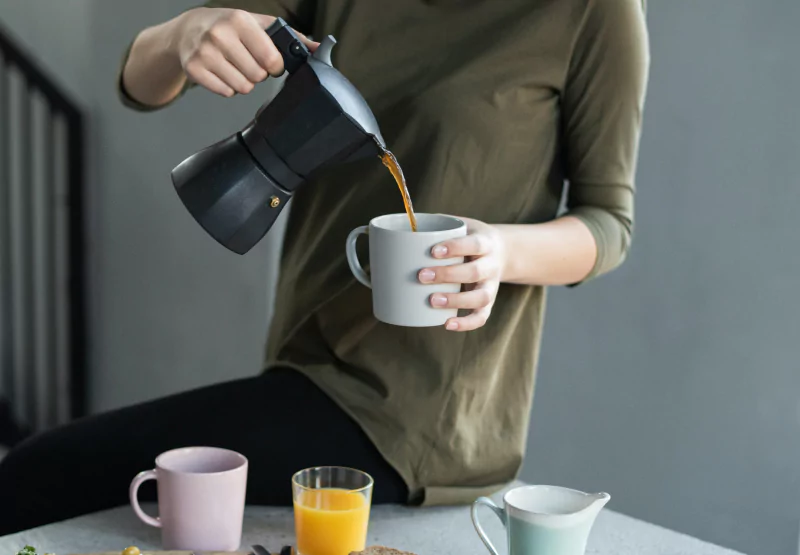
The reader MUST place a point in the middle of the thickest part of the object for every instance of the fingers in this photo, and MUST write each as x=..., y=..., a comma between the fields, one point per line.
x=310, y=44
x=479, y=276
x=228, y=50
x=211, y=60
x=265, y=21
x=258, y=44
x=262, y=20
x=236, y=52
x=210, y=81
x=477, y=298
x=471, y=272
x=472, y=321
x=476, y=244
x=231, y=76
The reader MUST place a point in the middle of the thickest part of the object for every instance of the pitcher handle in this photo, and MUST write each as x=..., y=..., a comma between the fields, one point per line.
x=352, y=255
x=501, y=514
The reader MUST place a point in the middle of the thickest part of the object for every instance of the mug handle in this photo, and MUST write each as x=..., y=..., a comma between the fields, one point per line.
x=352, y=255
x=501, y=514
x=134, y=495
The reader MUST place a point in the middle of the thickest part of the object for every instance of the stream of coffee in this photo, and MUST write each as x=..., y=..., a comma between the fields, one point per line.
x=390, y=162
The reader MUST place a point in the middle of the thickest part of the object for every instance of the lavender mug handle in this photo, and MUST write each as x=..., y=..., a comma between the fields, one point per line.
x=134, y=495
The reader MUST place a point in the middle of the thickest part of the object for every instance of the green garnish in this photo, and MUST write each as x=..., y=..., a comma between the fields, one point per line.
x=30, y=550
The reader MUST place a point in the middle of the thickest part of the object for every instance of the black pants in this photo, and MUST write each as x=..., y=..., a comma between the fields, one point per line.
x=280, y=421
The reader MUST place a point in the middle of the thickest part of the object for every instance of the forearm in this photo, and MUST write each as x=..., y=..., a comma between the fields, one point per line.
x=559, y=252
x=153, y=74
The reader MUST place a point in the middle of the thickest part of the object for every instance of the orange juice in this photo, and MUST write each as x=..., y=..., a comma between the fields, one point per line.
x=330, y=521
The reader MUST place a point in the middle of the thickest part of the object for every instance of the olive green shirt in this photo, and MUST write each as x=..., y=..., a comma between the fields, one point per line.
x=491, y=107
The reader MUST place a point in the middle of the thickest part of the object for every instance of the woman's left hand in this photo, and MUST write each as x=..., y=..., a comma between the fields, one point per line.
x=479, y=275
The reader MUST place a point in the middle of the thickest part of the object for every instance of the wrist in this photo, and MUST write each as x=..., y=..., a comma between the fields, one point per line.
x=153, y=74
x=522, y=248
x=504, y=248
x=170, y=34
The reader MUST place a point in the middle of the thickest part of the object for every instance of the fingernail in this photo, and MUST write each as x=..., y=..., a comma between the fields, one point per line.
x=439, y=251
x=426, y=276
x=438, y=300
x=452, y=326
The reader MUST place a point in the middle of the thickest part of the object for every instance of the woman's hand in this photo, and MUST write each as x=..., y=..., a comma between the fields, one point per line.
x=484, y=252
x=224, y=50
x=227, y=50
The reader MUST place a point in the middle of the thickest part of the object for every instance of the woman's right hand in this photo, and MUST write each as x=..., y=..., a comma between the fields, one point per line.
x=227, y=51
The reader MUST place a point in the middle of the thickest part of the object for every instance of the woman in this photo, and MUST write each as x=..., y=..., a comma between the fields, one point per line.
x=490, y=107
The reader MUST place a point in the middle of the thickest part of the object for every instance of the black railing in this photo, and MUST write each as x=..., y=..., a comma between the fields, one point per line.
x=42, y=302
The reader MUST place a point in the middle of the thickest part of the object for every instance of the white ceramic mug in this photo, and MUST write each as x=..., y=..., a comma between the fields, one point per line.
x=201, y=494
x=396, y=256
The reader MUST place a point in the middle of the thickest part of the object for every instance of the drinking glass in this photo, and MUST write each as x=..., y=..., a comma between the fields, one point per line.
x=331, y=510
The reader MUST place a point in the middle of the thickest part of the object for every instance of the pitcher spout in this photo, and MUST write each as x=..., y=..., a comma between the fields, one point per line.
x=556, y=506
x=599, y=501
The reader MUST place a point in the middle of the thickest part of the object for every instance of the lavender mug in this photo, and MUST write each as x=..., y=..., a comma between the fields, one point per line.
x=201, y=493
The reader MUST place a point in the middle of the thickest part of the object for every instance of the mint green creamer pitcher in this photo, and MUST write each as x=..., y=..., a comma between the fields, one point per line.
x=544, y=520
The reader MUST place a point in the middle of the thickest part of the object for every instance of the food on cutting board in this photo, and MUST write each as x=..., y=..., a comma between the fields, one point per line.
x=30, y=550
x=380, y=550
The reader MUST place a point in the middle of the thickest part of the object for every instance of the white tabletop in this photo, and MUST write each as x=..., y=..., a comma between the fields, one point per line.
x=428, y=531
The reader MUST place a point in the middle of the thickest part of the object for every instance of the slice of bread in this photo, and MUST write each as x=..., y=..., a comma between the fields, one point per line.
x=380, y=550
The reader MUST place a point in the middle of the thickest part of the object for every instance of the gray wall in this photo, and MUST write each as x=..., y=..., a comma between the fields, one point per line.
x=671, y=384
x=675, y=383
x=170, y=309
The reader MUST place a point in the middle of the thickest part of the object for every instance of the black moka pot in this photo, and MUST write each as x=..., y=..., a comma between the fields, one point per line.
x=237, y=187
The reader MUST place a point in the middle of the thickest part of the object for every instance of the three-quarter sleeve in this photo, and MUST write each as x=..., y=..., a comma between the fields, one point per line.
x=601, y=110
x=297, y=13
